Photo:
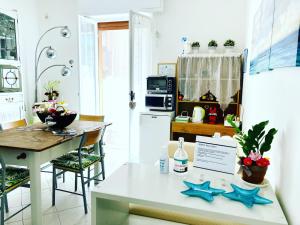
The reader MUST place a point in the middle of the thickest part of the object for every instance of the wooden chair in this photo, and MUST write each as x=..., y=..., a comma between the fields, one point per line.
x=91, y=148
x=91, y=118
x=16, y=176
x=14, y=124
x=189, y=147
x=77, y=162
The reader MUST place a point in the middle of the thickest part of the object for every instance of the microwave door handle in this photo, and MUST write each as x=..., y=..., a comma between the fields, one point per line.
x=166, y=102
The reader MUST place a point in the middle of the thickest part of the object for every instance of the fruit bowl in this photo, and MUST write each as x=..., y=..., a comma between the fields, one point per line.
x=61, y=120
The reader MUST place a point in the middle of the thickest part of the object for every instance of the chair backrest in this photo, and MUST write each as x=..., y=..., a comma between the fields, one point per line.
x=14, y=124
x=91, y=137
x=189, y=147
x=98, y=118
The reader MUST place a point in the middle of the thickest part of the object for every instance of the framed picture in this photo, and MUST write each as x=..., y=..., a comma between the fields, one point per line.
x=10, y=79
x=167, y=69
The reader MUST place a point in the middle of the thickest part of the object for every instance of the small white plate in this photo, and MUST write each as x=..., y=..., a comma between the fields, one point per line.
x=265, y=183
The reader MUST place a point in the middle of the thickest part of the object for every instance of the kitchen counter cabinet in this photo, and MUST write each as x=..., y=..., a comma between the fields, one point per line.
x=201, y=129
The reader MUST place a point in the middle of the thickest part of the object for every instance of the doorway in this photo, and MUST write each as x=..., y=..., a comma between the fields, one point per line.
x=117, y=66
x=113, y=87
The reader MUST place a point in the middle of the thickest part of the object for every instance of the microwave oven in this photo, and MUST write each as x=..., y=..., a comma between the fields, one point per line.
x=160, y=102
x=161, y=85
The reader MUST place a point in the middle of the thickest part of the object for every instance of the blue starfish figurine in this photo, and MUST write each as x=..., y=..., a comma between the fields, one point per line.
x=203, y=190
x=247, y=197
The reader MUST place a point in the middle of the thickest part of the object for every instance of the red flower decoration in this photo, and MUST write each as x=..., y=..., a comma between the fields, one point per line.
x=247, y=161
x=263, y=162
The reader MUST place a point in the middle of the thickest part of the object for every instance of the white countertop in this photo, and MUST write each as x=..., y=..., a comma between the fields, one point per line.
x=143, y=184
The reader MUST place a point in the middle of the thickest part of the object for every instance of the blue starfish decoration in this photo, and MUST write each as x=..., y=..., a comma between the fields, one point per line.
x=203, y=190
x=247, y=197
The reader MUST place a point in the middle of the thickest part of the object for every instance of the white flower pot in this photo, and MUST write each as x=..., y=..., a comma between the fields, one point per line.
x=229, y=49
x=212, y=49
x=195, y=50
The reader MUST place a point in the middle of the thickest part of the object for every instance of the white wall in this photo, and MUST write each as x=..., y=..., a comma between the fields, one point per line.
x=55, y=13
x=274, y=96
x=96, y=7
x=28, y=34
x=199, y=20
x=59, y=13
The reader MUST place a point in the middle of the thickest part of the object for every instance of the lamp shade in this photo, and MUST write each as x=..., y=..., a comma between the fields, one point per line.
x=65, y=71
x=51, y=53
x=65, y=32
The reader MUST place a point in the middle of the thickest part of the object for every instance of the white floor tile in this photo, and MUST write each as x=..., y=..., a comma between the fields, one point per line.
x=14, y=223
x=68, y=209
x=12, y=210
x=51, y=219
x=74, y=216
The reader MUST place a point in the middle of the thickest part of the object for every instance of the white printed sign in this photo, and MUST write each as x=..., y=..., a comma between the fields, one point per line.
x=215, y=154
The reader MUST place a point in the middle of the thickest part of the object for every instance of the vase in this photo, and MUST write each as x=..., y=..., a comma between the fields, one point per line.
x=257, y=174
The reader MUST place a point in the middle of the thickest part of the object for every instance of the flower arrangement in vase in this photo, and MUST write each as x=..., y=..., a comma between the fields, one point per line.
x=254, y=143
x=54, y=114
x=51, y=89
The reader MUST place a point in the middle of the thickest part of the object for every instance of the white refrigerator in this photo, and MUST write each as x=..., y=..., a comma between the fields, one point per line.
x=154, y=134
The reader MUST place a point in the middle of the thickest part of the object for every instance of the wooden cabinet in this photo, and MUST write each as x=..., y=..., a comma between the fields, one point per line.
x=204, y=129
x=203, y=75
x=9, y=45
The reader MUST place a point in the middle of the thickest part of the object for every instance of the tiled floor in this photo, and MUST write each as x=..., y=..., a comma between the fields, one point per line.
x=69, y=208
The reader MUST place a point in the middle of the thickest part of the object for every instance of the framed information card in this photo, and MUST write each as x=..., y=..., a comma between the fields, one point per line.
x=215, y=154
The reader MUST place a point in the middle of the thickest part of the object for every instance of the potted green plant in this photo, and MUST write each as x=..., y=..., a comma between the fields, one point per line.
x=229, y=45
x=195, y=47
x=254, y=143
x=51, y=89
x=212, y=46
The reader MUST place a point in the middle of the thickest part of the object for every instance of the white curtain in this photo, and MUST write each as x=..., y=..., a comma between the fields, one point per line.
x=88, y=62
x=220, y=75
x=140, y=67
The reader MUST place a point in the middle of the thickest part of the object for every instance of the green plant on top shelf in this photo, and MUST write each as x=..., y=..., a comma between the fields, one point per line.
x=195, y=44
x=212, y=43
x=229, y=43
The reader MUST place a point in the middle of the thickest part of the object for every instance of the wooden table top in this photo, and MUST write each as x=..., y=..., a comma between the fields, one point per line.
x=32, y=139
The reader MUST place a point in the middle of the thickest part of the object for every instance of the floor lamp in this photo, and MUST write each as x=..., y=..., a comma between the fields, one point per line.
x=51, y=54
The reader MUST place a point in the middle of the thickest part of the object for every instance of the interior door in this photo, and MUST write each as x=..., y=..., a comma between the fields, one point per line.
x=88, y=63
x=140, y=38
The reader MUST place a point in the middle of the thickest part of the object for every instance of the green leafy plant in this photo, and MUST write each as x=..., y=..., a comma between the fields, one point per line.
x=195, y=44
x=212, y=43
x=229, y=42
x=52, y=85
x=256, y=139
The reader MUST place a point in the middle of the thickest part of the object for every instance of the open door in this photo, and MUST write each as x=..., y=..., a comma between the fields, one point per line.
x=140, y=37
x=88, y=63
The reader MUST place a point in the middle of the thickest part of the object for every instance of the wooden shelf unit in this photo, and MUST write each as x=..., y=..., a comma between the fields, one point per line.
x=201, y=129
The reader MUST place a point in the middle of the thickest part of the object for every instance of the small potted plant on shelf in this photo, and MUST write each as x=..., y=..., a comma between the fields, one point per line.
x=195, y=47
x=229, y=45
x=254, y=143
x=212, y=46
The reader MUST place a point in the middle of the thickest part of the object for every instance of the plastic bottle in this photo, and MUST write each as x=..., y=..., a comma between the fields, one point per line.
x=180, y=158
x=164, y=161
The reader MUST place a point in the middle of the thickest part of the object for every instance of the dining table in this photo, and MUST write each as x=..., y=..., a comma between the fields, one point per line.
x=34, y=145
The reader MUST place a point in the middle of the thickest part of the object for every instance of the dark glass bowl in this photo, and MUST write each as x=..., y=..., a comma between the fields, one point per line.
x=61, y=121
